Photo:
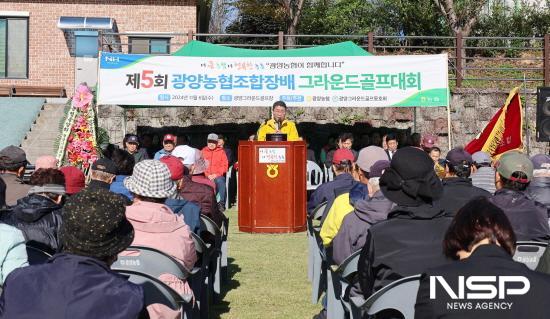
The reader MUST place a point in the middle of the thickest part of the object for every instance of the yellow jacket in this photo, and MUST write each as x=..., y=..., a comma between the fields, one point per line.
x=338, y=211
x=288, y=127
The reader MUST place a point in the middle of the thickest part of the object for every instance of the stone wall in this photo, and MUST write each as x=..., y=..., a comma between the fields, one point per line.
x=470, y=112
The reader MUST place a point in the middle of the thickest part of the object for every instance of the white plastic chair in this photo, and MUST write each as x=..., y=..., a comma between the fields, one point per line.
x=314, y=176
x=228, y=176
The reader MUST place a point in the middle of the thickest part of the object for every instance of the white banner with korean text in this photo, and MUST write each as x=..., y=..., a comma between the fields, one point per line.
x=352, y=81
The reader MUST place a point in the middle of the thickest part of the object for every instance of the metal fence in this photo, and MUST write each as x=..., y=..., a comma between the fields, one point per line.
x=476, y=62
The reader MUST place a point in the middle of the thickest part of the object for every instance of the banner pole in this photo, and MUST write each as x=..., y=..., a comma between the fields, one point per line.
x=526, y=118
x=449, y=126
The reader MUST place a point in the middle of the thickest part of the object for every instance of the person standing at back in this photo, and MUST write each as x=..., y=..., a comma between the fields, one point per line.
x=216, y=168
x=279, y=124
x=131, y=145
x=484, y=174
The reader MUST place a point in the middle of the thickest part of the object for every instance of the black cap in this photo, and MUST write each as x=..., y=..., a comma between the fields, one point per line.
x=105, y=165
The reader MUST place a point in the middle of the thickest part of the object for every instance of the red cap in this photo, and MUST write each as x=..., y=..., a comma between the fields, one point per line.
x=169, y=138
x=429, y=140
x=74, y=179
x=342, y=154
x=175, y=166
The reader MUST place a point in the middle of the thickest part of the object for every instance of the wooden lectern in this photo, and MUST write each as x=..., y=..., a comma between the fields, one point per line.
x=272, y=187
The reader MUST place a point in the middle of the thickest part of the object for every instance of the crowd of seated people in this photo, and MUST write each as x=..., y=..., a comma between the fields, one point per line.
x=414, y=211
x=84, y=226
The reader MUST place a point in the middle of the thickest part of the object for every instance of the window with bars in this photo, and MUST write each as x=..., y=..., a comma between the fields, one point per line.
x=14, y=43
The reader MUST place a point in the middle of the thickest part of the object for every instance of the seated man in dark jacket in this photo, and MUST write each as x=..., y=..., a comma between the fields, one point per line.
x=457, y=185
x=482, y=238
x=409, y=241
x=529, y=218
x=38, y=215
x=342, y=165
x=78, y=282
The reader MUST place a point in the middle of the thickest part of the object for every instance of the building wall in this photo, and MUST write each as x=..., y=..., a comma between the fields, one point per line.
x=471, y=110
x=50, y=63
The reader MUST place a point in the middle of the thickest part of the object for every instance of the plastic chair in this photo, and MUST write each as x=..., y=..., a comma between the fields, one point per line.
x=224, y=249
x=399, y=295
x=214, y=255
x=36, y=255
x=227, y=178
x=314, y=176
x=157, y=292
x=199, y=276
x=338, y=279
x=320, y=265
x=313, y=249
x=529, y=253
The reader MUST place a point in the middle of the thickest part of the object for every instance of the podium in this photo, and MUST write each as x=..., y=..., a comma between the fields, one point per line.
x=272, y=187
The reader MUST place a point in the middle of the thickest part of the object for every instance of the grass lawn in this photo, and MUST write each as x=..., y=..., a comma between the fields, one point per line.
x=268, y=276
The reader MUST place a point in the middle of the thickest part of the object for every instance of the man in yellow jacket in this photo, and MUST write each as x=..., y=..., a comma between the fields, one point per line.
x=279, y=124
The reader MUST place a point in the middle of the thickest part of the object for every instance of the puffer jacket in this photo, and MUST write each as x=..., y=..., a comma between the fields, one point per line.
x=39, y=218
x=203, y=196
x=156, y=226
x=529, y=218
x=405, y=244
x=217, y=161
x=353, y=231
x=539, y=190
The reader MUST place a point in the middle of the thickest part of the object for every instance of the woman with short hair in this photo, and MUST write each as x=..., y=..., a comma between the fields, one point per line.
x=484, y=282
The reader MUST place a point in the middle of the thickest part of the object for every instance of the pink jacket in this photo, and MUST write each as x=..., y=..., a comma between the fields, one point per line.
x=156, y=226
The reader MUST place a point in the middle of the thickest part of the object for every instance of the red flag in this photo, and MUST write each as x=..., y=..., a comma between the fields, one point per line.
x=504, y=132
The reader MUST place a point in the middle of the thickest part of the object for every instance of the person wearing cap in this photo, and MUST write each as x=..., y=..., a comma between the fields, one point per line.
x=528, y=217
x=410, y=239
x=539, y=188
x=278, y=124
x=190, y=211
x=13, y=161
x=457, y=185
x=343, y=203
x=428, y=141
x=484, y=174
x=342, y=166
x=198, y=171
x=391, y=142
x=216, y=167
x=38, y=215
x=78, y=282
x=168, y=145
x=367, y=211
x=102, y=173
x=131, y=145
x=124, y=163
x=156, y=226
x=75, y=181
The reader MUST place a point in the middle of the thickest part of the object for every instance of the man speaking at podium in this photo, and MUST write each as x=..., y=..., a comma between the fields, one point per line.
x=279, y=124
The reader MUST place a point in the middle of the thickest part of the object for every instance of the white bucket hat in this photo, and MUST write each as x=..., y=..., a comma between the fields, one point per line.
x=151, y=178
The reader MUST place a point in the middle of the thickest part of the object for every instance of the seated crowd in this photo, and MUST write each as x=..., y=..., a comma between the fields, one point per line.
x=409, y=211
x=128, y=200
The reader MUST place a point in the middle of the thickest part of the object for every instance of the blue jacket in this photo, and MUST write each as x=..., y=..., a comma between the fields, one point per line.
x=13, y=253
x=70, y=286
x=118, y=187
x=161, y=153
x=190, y=211
x=326, y=191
